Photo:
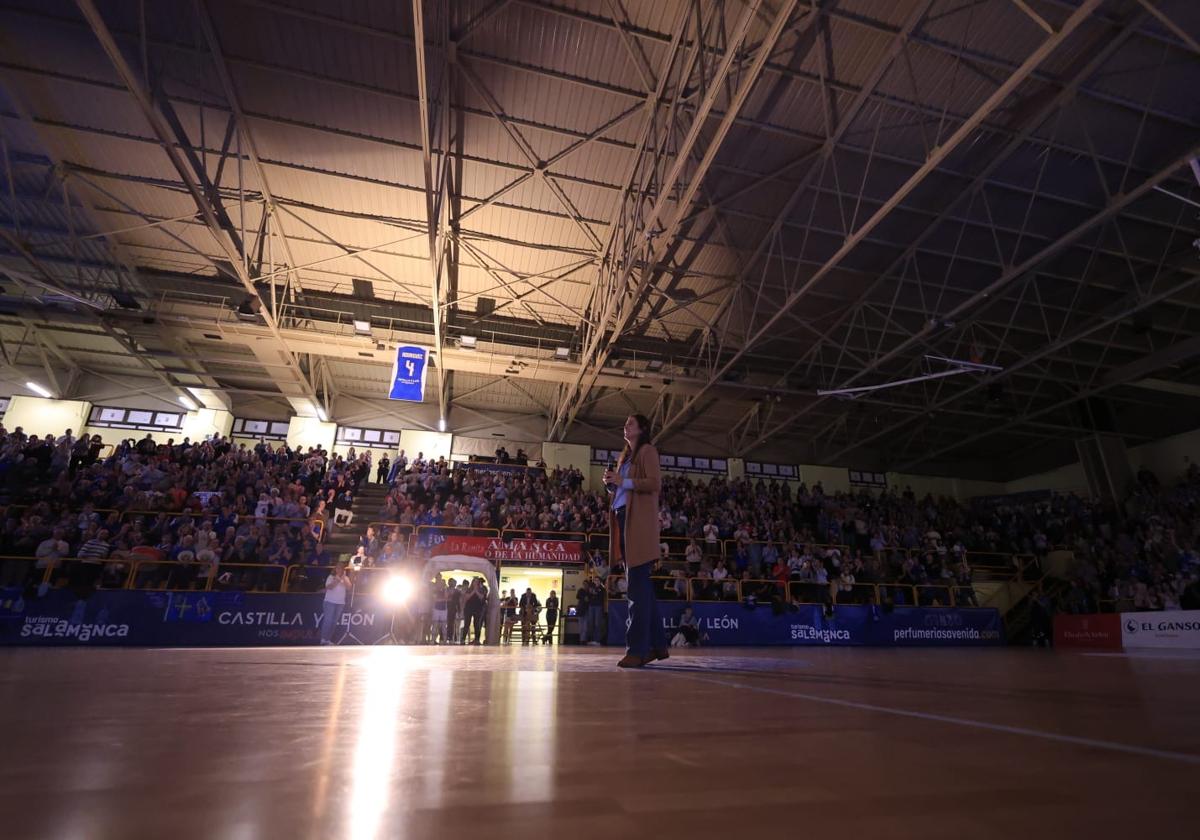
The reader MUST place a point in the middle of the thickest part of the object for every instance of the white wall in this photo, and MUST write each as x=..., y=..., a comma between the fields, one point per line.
x=38, y=416
x=567, y=455
x=1168, y=458
x=306, y=432
x=343, y=448
x=1068, y=479
x=253, y=442
x=114, y=436
x=206, y=422
x=464, y=446
x=434, y=444
x=955, y=488
x=832, y=479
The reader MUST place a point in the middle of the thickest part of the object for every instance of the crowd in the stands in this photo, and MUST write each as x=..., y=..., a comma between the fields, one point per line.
x=1145, y=557
x=191, y=506
x=213, y=506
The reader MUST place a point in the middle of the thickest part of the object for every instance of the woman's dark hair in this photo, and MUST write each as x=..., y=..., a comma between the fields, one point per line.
x=643, y=437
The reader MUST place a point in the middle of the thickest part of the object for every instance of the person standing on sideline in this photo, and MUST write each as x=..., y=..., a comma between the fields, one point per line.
x=595, y=612
x=472, y=611
x=441, y=597
x=530, y=606
x=454, y=602
x=508, y=608
x=634, y=537
x=381, y=471
x=581, y=609
x=551, y=616
x=337, y=587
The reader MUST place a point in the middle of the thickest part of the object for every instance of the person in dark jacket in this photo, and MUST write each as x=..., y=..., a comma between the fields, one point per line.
x=551, y=617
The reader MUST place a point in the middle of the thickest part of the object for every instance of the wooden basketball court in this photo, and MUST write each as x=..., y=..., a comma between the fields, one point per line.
x=542, y=742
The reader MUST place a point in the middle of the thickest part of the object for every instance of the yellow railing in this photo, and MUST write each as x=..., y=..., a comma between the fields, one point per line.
x=171, y=576
x=534, y=534
x=314, y=525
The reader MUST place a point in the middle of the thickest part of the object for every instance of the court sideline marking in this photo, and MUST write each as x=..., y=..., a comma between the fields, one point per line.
x=1114, y=746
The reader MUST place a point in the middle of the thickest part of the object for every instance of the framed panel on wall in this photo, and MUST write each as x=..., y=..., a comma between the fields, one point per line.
x=136, y=419
x=366, y=438
x=865, y=478
x=249, y=427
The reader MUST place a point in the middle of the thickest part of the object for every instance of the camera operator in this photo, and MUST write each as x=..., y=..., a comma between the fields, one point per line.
x=337, y=589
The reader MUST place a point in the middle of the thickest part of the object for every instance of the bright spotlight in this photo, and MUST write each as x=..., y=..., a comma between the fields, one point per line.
x=396, y=590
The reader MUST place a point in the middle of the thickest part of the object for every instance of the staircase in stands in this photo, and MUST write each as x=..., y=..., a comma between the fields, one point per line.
x=342, y=540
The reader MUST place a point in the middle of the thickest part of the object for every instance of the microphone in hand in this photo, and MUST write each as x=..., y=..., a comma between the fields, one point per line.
x=610, y=474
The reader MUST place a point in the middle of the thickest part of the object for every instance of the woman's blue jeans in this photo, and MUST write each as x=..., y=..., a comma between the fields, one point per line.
x=644, y=630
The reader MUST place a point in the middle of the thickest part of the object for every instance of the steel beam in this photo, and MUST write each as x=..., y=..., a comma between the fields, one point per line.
x=163, y=132
x=437, y=198
x=965, y=130
x=1135, y=371
x=647, y=235
x=1095, y=61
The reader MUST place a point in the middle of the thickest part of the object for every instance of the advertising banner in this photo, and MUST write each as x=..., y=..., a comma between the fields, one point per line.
x=408, y=374
x=1091, y=632
x=735, y=624
x=183, y=618
x=1179, y=629
x=511, y=551
x=236, y=618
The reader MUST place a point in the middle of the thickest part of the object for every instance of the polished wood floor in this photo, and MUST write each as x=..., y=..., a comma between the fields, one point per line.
x=547, y=743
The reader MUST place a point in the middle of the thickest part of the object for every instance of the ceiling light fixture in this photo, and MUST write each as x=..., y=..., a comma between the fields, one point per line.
x=40, y=390
x=248, y=309
x=362, y=327
x=187, y=403
x=562, y=353
x=442, y=424
x=321, y=415
x=468, y=342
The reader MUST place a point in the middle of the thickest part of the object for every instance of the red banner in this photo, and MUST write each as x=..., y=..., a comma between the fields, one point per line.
x=1094, y=632
x=513, y=551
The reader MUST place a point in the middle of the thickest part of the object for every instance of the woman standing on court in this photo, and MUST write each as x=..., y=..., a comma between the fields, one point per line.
x=633, y=537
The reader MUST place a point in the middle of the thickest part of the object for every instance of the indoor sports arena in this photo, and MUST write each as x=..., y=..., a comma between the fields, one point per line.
x=599, y=418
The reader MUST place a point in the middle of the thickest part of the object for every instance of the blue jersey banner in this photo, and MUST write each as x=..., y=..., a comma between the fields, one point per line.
x=408, y=374
x=851, y=624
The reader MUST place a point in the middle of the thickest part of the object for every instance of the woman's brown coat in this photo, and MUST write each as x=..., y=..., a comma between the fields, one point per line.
x=641, y=512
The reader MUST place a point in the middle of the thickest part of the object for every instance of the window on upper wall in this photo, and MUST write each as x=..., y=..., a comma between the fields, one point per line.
x=260, y=429
x=767, y=469
x=360, y=437
x=671, y=463
x=139, y=419
x=863, y=478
